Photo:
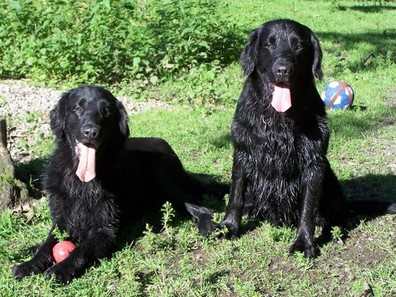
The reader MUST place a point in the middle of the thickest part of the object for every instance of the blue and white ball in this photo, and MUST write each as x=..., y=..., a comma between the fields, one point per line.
x=338, y=95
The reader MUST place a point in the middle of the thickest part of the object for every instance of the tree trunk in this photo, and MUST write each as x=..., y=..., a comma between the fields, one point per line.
x=3, y=133
x=11, y=189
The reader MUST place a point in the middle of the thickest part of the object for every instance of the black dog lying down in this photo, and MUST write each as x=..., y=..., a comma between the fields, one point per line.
x=97, y=179
x=280, y=135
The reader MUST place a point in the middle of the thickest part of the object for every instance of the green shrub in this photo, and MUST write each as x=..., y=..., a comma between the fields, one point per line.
x=110, y=41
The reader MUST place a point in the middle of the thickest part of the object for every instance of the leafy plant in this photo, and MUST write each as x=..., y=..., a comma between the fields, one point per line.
x=111, y=41
x=168, y=214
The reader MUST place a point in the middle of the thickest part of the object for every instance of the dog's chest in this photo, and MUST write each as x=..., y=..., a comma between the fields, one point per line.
x=274, y=157
x=279, y=146
x=87, y=208
x=274, y=150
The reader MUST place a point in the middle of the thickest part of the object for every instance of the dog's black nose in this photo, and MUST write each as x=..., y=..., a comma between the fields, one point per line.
x=282, y=71
x=90, y=131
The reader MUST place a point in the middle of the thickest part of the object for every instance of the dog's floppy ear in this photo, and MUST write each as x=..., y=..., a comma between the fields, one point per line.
x=317, y=57
x=249, y=54
x=58, y=116
x=123, y=119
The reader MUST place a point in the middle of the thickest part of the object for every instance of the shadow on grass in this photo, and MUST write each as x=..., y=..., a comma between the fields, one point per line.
x=372, y=187
x=349, y=125
x=214, y=277
x=222, y=141
x=31, y=174
x=368, y=197
x=368, y=8
x=383, y=44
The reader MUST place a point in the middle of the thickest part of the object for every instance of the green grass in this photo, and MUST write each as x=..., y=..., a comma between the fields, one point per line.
x=179, y=262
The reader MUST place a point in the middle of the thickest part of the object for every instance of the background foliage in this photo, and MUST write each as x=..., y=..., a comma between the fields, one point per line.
x=110, y=41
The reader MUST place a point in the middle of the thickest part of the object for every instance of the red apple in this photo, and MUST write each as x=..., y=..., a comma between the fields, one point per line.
x=62, y=250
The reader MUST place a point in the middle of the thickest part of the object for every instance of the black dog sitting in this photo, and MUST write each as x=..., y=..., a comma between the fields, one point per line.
x=98, y=179
x=280, y=136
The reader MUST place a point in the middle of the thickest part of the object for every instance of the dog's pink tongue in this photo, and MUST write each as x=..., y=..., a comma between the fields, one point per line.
x=86, y=165
x=281, y=99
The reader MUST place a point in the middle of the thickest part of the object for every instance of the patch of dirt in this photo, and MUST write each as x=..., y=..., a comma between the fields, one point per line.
x=279, y=264
x=361, y=250
x=199, y=256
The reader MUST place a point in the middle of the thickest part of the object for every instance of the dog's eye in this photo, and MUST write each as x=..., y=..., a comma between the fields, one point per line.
x=104, y=109
x=296, y=44
x=78, y=109
x=271, y=42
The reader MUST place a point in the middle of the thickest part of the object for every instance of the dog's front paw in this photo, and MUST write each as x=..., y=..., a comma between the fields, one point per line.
x=232, y=228
x=301, y=245
x=26, y=269
x=62, y=272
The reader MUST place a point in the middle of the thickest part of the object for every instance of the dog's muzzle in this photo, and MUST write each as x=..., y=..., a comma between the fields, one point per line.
x=282, y=71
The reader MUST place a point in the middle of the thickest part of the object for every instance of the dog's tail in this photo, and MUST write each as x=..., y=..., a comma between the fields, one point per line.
x=371, y=207
x=203, y=217
x=202, y=184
